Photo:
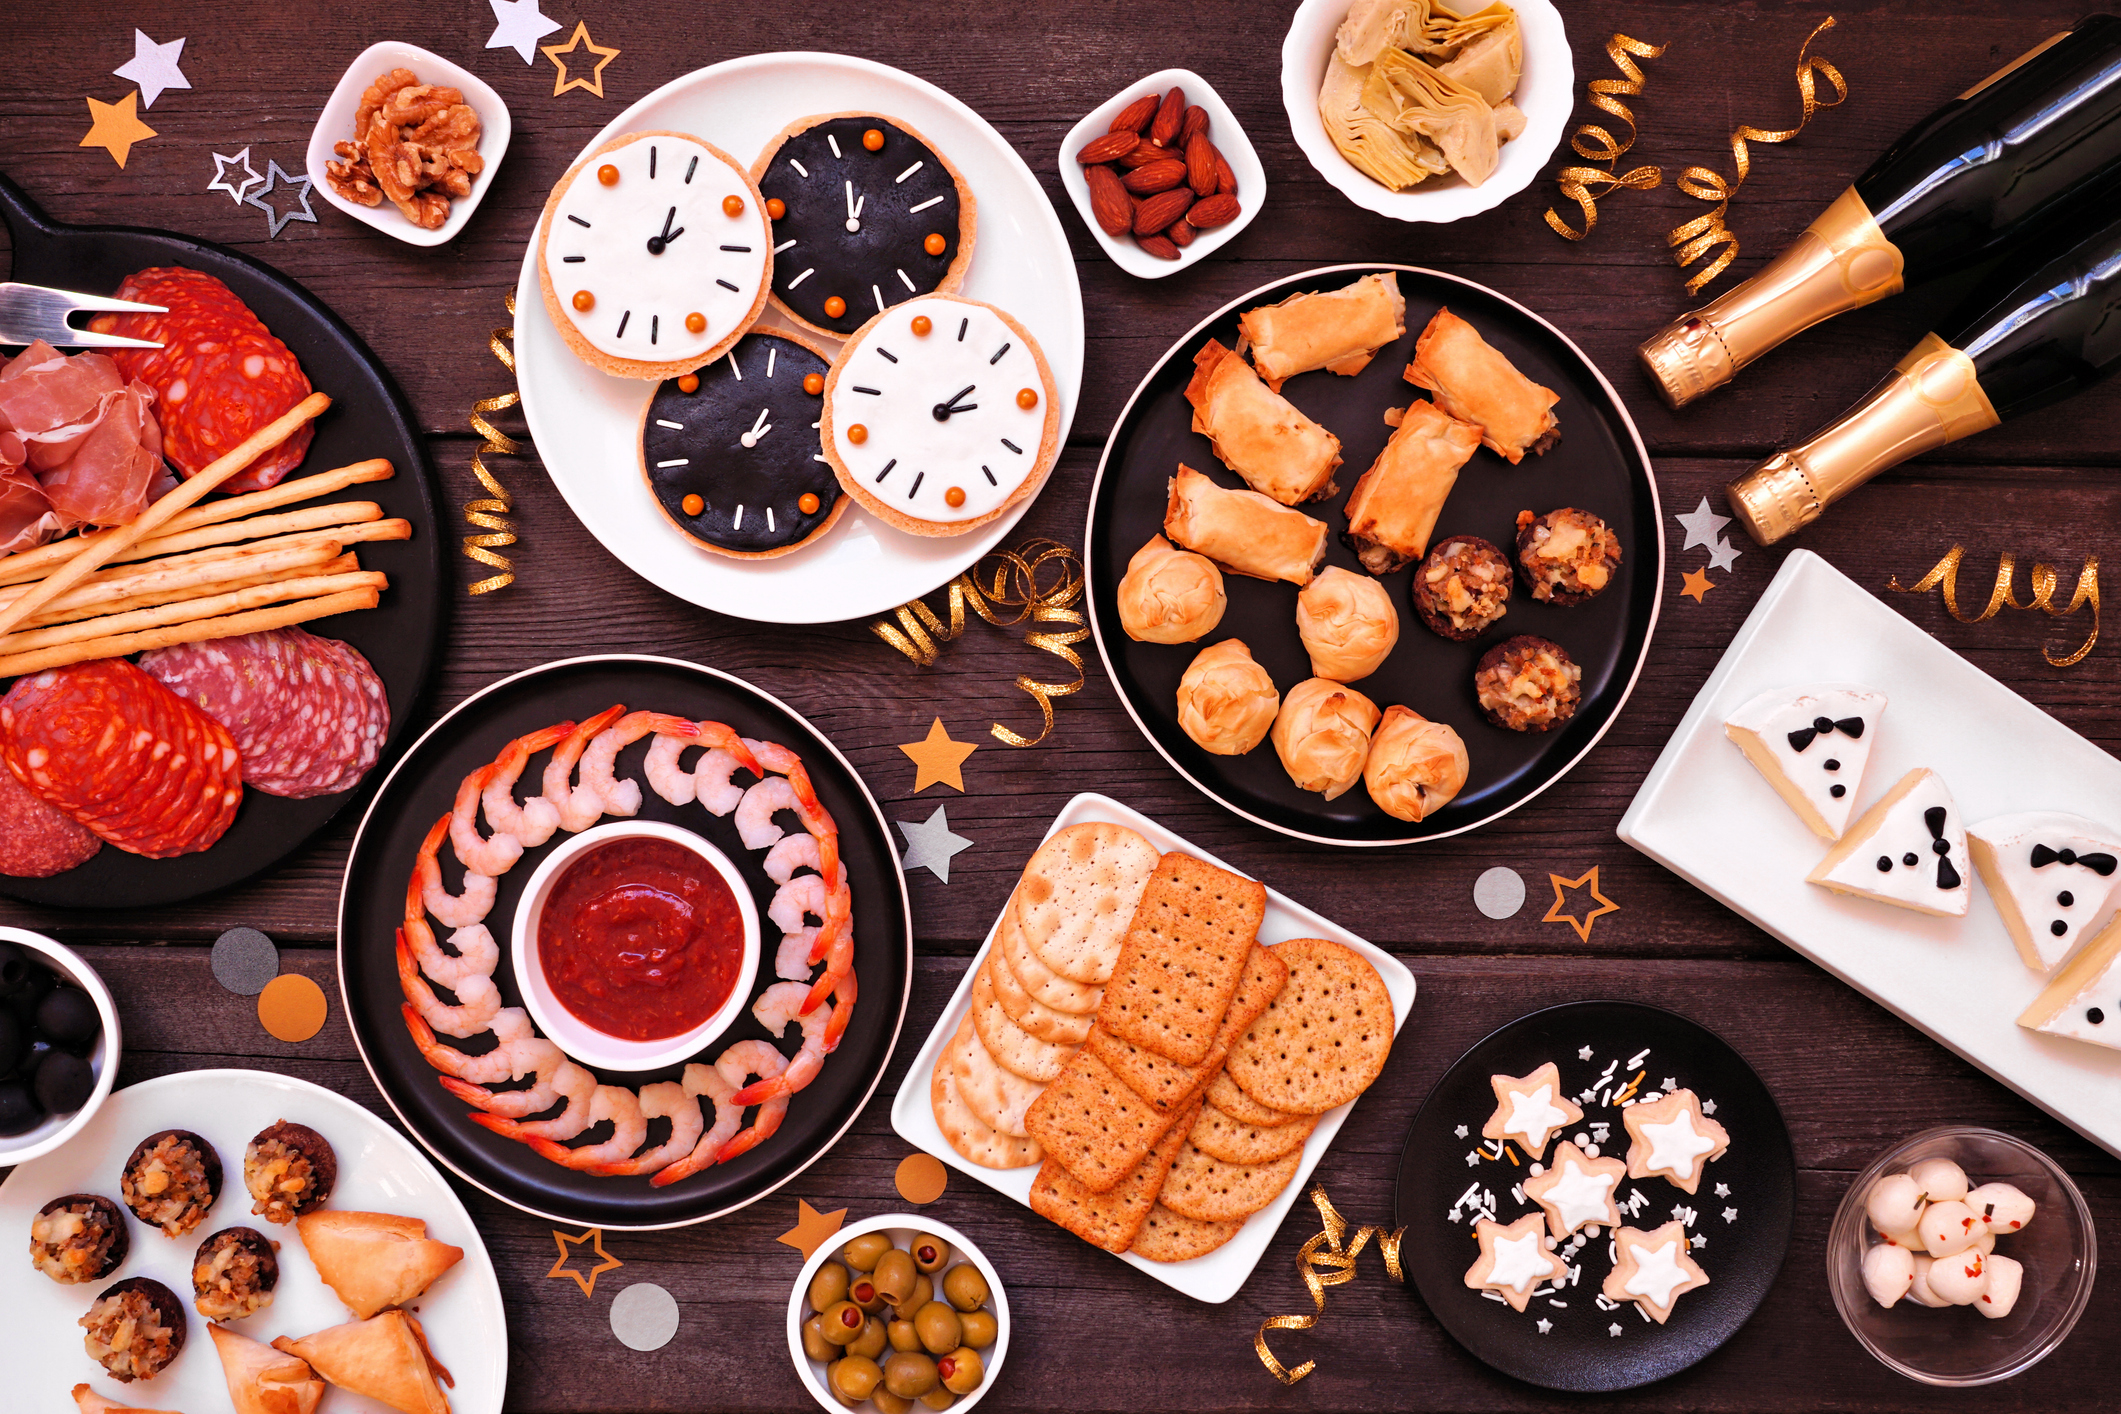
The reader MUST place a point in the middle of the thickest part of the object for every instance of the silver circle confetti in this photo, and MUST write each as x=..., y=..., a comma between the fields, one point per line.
x=1499, y=893
x=644, y=1316
x=245, y=960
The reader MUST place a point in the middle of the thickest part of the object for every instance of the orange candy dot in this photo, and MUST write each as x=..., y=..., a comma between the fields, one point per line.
x=584, y=301
x=954, y=497
x=732, y=205
x=688, y=382
x=921, y=325
x=776, y=208
x=873, y=140
x=608, y=175
x=834, y=307
x=1027, y=398
x=695, y=323
x=693, y=505
x=934, y=244
x=813, y=383
x=807, y=503
x=857, y=434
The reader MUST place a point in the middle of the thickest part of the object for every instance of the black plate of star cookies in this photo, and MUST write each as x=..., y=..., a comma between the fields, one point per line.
x=1608, y=1057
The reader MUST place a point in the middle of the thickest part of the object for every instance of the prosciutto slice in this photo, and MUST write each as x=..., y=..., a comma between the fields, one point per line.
x=79, y=445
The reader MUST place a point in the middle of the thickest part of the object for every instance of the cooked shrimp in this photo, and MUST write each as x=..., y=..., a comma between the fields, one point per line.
x=792, y=962
x=455, y=910
x=532, y=821
x=745, y=1059
x=842, y=1011
x=664, y=770
x=711, y=784
x=796, y=852
x=754, y=814
x=728, y=1119
x=801, y=897
x=777, y=1006
x=478, y=1001
x=624, y=797
x=501, y=1110
x=780, y=760
x=666, y=1099
x=491, y=855
x=520, y=1052
x=628, y=1128
x=581, y=806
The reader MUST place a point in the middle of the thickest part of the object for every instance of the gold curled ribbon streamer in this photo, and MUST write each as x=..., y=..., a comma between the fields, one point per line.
x=1324, y=1262
x=1597, y=144
x=489, y=513
x=1698, y=237
x=1945, y=575
x=1005, y=580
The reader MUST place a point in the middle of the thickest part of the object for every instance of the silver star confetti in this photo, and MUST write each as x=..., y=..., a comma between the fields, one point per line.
x=1723, y=556
x=1613, y=1329
x=930, y=845
x=224, y=165
x=1702, y=525
x=274, y=178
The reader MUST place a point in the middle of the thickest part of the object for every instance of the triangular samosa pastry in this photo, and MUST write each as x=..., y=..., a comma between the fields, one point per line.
x=91, y=1402
x=385, y=1357
x=1908, y=850
x=262, y=1380
x=374, y=1260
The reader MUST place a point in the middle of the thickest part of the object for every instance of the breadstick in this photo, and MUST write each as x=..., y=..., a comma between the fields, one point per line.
x=234, y=531
x=87, y=561
x=293, y=552
x=183, y=611
x=197, y=631
x=28, y=564
x=345, y=564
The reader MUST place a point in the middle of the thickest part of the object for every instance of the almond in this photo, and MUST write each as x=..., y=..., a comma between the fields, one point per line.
x=1181, y=232
x=1195, y=122
x=1162, y=209
x=1136, y=115
x=1146, y=152
x=1173, y=112
x=1210, y=212
x=1156, y=177
x=1201, y=174
x=1157, y=246
x=1109, y=201
x=1225, y=178
x=1109, y=148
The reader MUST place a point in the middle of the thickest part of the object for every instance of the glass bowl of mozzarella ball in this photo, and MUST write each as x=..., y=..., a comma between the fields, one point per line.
x=1961, y=1256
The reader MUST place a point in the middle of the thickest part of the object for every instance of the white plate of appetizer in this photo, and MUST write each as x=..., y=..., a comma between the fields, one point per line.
x=1962, y=873
x=722, y=492
x=388, y=1238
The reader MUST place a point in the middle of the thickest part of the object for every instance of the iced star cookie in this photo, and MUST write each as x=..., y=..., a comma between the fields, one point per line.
x=866, y=213
x=940, y=414
x=1812, y=745
x=2083, y=1002
x=1671, y=1138
x=1908, y=850
x=1576, y=1190
x=654, y=255
x=1514, y=1260
x=1653, y=1269
x=1529, y=1109
x=731, y=454
x=2052, y=876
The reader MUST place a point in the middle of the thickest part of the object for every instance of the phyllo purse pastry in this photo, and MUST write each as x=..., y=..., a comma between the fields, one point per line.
x=1347, y=624
x=1226, y=701
x=1392, y=510
x=1415, y=766
x=1322, y=735
x=1337, y=330
x=1243, y=531
x=1170, y=595
x=1257, y=432
x=1473, y=382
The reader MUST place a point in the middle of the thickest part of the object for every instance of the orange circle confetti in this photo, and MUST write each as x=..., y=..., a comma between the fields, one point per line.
x=292, y=1007
x=693, y=504
x=1027, y=398
x=857, y=434
x=922, y=1178
x=807, y=503
x=954, y=497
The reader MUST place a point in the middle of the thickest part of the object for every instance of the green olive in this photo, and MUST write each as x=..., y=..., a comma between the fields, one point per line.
x=894, y=1275
x=939, y=1328
x=863, y=1293
x=909, y=1374
x=929, y=1253
x=938, y=1398
x=965, y=1287
x=842, y=1322
x=861, y=1254
x=870, y=1343
x=815, y=1345
x=980, y=1329
x=854, y=1377
x=903, y=1335
x=923, y=1292
x=962, y=1370
x=828, y=1285
x=888, y=1403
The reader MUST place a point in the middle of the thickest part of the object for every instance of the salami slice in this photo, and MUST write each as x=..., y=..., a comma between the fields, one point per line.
x=308, y=714
x=219, y=376
x=119, y=753
x=36, y=840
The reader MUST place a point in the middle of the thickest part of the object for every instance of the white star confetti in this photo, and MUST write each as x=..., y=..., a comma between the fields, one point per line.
x=1723, y=556
x=1545, y=1325
x=1584, y=1054
x=1473, y=1159
x=1701, y=526
x=223, y=166
x=1614, y=1329
x=153, y=67
x=1708, y=1107
x=1461, y=1131
x=931, y=846
x=1723, y=1190
x=1698, y=1239
x=1730, y=1215
x=519, y=26
x=1670, y=1084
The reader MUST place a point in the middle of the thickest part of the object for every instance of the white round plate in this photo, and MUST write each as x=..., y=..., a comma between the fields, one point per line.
x=379, y=1171
x=586, y=423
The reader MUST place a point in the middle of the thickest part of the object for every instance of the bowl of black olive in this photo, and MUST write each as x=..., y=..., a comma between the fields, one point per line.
x=58, y=1044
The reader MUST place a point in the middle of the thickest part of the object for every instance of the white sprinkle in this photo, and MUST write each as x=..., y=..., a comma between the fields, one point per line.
x=817, y=424
x=769, y=520
x=1723, y=1190
x=1610, y=1067
x=1493, y=1295
x=1517, y=1192
x=802, y=277
x=1584, y=1054
x=1613, y=1329
x=799, y=166
x=905, y=174
x=835, y=144
x=1640, y=1311
x=817, y=456
x=879, y=293
x=772, y=351
x=1545, y=1326
x=923, y=206
x=784, y=245
x=909, y=282
x=1605, y=1303
x=733, y=368
x=673, y=426
x=1558, y=1304
x=675, y=461
x=1582, y=1139
x=739, y=523
x=1708, y=1107
x=1461, y=1131
x=1730, y=1215
x=1640, y=1056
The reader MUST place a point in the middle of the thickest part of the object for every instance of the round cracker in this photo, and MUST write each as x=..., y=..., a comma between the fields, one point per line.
x=1078, y=896
x=1225, y=1096
x=1063, y=1028
x=978, y=1142
x=1018, y=1050
x=999, y=1097
x=1220, y=1137
x=1324, y=1039
x=1166, y=1236
x=1041, y=981
x=1207, y=1188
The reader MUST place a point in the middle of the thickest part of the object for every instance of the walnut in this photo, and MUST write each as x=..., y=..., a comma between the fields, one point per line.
x=456, y=126
x=351, y=177
x=414, y=143
x=373, y=97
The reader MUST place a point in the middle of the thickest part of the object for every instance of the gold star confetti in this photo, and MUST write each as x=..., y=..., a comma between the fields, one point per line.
x=588, y=1281
x=580, y=39
x=115, y=127
x=1695, y=583
x=812, y=1229
x=941, y=760
x=1581, y=925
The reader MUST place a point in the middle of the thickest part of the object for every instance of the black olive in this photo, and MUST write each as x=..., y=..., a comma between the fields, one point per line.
x=30, y=992
x=64, y=1082
x=67, y=1017
x=14, y=1042
x=19, y=1110
x=15, y=969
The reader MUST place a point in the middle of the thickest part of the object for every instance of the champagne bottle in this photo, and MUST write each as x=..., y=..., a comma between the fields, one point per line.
x=2019, y=343
x=2032, y=144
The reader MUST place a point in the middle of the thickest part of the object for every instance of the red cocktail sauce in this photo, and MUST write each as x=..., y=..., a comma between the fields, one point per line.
x=641, y=939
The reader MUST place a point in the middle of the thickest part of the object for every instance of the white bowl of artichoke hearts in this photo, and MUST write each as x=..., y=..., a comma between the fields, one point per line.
x=1422, y=114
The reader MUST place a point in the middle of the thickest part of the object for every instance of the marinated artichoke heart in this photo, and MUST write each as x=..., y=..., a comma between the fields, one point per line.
x=1413, y=91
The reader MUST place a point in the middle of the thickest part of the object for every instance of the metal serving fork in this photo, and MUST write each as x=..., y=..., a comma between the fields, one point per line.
x=29, y=312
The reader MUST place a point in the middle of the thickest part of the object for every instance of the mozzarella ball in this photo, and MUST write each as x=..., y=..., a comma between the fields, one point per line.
x=1911, y=1239
x=1895, y=1203
x=1949, y=1227
x=1919, y=1289
x=2005, y=1208
x=1888, y=1272
x=1940, y=1180
x=1959, y=1279
x=2005, y=1277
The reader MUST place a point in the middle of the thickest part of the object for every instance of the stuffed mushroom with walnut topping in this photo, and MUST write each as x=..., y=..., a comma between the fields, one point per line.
x=1463, y=588
x=171, y=1180
x=1527, y=684
x=289, y=1170
x=1566, y=555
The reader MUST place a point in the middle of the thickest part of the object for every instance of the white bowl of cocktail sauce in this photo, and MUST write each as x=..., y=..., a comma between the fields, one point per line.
x=636, y=945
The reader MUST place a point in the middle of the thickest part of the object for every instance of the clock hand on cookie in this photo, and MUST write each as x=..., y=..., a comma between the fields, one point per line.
x=758, y=429
x=657, y=244
x=944, y=410
x=854, y=208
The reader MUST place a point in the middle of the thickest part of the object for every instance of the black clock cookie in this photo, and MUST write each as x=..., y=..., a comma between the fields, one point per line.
x=866, y=214
x=732, y=453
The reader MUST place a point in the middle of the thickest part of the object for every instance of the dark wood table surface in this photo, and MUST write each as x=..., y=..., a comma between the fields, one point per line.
x=1091, y=1334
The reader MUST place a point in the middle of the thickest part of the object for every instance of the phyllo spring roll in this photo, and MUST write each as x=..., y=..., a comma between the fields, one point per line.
x=1257, y=432
x=1475, y=383
x=1337, y=330
x=1243, y=531
x=1393, y=508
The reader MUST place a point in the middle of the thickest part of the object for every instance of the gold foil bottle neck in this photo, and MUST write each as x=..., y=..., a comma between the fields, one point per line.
x=1842, y=261
x=1774, y=500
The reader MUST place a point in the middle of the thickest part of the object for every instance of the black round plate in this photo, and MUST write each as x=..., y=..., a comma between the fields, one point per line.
x=422, y=788
x=1741, y=1257
x=1599, y=465
x=369, y=417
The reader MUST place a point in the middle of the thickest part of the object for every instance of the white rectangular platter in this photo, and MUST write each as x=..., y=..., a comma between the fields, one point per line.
x=1217, y=1276
x=1705, y=813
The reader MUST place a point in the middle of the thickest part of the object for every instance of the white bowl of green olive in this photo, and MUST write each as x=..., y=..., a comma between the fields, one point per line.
x=898, y=1314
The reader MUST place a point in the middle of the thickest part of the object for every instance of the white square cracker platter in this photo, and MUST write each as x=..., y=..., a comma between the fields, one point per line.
x=1706, y=814
x=1217, y=1276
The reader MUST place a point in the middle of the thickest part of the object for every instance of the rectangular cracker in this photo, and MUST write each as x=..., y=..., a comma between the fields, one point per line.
x=1093, y=1126
x=1165, y=1083
x=1110, y=1219
x=1184, y=953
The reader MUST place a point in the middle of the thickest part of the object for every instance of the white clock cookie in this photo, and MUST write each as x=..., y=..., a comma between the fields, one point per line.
x=2051, y=875
x=940, y=414
x=1812, y=745
x=1908, y=850
x=654, y=255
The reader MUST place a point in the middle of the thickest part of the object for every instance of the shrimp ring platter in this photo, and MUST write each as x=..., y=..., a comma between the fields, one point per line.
x=440, y=867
